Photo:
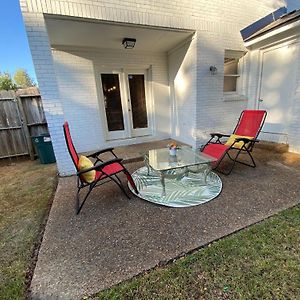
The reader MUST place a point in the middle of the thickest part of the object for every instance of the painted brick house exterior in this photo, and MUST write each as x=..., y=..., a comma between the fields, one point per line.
x=187, y=102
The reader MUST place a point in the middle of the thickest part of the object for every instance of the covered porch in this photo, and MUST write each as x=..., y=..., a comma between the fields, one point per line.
x=112, y=96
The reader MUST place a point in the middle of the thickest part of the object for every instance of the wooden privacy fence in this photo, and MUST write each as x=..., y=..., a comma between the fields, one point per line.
x=21, y=117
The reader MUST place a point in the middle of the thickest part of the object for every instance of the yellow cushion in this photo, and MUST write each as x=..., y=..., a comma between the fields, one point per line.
x=83, y=164
x=238, y=145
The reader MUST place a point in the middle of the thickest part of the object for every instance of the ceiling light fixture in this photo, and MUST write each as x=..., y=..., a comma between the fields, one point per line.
x=129, y=43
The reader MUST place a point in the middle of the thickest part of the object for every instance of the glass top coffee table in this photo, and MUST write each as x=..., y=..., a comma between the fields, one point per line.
x=182, y=180
x=177, y=166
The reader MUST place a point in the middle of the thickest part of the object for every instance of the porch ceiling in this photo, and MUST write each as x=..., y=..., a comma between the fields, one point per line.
x=84, y=33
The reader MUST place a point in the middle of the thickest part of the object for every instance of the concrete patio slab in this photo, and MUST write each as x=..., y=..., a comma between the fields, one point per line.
x=114, y=238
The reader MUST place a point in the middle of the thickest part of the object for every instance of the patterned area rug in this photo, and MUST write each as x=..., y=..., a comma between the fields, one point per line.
x=184, y=191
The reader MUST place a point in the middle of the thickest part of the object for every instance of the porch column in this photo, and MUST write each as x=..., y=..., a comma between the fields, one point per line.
x=44, y=67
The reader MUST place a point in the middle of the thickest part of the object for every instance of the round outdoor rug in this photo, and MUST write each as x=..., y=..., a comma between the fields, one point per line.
x=183, y=192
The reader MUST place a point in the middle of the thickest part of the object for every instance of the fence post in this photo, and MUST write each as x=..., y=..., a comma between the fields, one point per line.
x=25, y=127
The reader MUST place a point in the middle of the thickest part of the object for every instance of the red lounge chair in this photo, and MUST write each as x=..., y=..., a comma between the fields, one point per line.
x=242, y=140
x=105, y=170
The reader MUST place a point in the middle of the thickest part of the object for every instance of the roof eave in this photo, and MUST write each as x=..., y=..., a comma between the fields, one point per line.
x=271, y=33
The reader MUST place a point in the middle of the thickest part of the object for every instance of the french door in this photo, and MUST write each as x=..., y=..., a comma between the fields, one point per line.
x=125, y=102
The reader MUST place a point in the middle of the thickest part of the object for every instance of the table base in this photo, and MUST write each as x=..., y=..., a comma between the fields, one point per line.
x=187, y=190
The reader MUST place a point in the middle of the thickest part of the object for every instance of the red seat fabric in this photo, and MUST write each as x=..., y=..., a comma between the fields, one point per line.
x=216, y=150
x=110, y=170
x=70, y=145
x=250, y=123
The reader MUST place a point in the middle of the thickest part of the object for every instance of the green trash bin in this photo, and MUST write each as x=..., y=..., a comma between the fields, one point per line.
x=44, y=149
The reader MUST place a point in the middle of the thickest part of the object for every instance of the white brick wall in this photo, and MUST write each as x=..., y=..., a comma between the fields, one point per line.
x=253, y=78
x=77, y=91
x=217, y=24
x=182, y=76
x=214, y=114
x=171, y=13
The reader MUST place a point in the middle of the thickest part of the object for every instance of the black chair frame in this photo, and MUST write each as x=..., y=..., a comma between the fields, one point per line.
x=99, y=165
x=246, y=148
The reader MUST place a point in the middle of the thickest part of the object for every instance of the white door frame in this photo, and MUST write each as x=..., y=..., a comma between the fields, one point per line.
x=118, y=134
x=128, y=131
x=140, y=131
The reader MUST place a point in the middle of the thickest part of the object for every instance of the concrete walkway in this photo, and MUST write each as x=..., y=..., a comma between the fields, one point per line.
x=114, y=238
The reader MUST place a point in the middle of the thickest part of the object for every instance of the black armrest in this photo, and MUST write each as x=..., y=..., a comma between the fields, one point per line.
x=219, y=135
x=100, y=166
x=100, y=152
x=246, y=140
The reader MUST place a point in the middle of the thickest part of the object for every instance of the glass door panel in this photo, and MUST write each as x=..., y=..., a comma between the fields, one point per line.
x=138, y=100
x=112, y=102
x=124, y=103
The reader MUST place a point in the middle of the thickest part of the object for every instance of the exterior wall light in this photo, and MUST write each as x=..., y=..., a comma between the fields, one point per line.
x=213, y=70
x=129, y=43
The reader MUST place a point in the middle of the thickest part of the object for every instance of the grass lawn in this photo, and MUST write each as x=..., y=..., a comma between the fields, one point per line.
x=261, y=262
x=26, y=189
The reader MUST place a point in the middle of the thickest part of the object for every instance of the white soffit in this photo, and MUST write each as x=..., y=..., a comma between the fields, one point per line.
x=83, y=33
x=234, y=54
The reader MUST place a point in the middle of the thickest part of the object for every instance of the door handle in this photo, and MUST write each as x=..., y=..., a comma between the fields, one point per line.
x=129, y=109
x=260, y=100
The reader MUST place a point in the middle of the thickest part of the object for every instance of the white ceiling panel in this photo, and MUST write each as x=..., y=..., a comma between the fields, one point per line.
x=72, y=32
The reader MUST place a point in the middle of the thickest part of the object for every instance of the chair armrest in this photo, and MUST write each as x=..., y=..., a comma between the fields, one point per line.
x=100, y=152
x=219, y=135
x=246, y=140
x=100, y=166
